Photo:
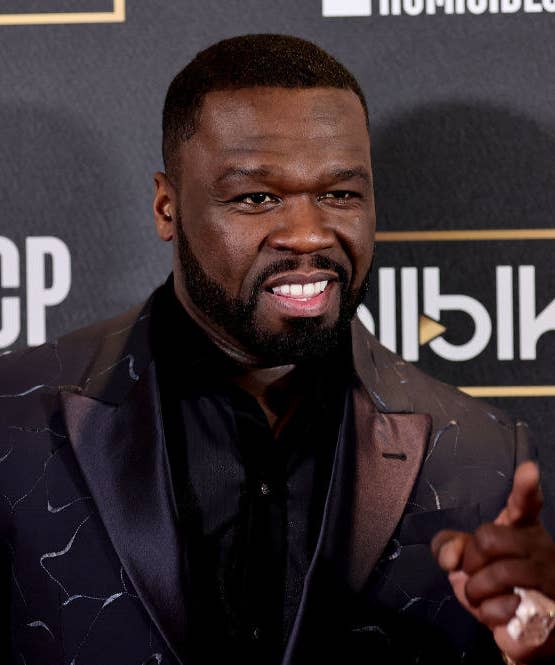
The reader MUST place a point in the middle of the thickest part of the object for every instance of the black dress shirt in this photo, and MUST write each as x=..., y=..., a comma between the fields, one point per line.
x=250, y=503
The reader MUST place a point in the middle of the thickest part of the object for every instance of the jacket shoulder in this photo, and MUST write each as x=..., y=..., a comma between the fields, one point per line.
x=397, y=385
x=469, y=439
x=473, y=447
x=65, y=361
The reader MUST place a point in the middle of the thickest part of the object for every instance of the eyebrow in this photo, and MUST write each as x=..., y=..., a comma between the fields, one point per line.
x=235, y=172
x=348, y=174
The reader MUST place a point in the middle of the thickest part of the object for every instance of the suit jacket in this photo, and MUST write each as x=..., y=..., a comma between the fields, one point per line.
x=94, y=564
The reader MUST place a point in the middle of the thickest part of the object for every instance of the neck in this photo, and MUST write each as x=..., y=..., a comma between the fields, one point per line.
x=278, y=391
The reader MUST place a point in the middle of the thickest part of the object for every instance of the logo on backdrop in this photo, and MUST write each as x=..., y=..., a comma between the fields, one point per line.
x=338, y=8
x=496, y=319
x=49, y=15
x=418, y=329
x=46, y=281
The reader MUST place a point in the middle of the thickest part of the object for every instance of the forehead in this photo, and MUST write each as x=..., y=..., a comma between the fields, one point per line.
x=280, y=123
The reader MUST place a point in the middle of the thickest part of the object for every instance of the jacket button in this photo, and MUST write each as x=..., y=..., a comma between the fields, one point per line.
x=264, y=489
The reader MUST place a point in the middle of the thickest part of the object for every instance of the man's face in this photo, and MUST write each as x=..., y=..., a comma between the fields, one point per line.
x=275, y=218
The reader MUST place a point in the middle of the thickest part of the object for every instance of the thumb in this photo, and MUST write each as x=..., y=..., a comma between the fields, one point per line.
x=525, y=500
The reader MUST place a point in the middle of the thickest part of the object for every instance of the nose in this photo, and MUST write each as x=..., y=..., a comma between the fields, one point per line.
x=302, y=228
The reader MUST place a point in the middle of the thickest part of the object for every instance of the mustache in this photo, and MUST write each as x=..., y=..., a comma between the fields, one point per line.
x=318, y=262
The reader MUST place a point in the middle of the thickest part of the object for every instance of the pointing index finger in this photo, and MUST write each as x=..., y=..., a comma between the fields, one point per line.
x=525, y=500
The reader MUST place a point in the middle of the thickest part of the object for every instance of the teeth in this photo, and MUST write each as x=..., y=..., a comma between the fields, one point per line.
x=296, y=289
x=303, y=290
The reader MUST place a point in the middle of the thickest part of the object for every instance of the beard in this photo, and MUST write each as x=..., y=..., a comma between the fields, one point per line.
x=305, y=338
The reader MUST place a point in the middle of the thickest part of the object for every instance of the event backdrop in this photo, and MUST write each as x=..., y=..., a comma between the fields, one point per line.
x=461, y=98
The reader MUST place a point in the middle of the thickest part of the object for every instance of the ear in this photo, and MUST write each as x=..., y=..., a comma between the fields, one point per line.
x=164, y=206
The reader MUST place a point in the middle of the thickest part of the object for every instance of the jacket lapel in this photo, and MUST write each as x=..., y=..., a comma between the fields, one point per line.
x=379, y=455
x=113, y=419
x=382, y=456
x=378, y=458
x=387, y=455
x=122, y=454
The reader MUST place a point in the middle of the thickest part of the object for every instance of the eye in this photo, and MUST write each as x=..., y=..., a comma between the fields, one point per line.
x=338, y=195
x=256, y=198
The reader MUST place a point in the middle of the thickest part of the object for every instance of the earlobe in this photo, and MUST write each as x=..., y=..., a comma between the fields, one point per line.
x=165, y=229
x=164, y=226
x=163, y=206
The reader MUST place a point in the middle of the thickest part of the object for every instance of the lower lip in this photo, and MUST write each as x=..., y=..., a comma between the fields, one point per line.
x=311, y=306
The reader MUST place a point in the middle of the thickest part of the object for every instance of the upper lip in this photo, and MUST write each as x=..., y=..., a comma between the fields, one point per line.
x=299, y=278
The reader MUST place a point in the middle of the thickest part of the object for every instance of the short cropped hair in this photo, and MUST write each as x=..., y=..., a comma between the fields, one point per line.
x=248, y=61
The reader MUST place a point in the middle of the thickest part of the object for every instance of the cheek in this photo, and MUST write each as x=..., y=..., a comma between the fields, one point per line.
x=360, y=246
x=226, y=251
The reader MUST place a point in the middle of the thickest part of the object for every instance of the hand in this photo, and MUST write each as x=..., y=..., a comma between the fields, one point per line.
x=486, y=565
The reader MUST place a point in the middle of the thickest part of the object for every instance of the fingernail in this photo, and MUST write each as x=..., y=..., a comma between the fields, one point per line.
x=448, y=557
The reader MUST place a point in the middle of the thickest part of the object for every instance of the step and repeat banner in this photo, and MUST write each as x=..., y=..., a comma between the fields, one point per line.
x=460, y=94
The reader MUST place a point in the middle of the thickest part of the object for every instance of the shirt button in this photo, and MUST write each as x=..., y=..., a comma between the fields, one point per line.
x=264, y=489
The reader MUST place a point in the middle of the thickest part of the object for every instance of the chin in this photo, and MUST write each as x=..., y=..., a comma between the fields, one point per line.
x=303, y=340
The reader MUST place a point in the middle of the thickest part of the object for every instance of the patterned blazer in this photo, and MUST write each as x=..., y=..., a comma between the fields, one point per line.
x=92, y=557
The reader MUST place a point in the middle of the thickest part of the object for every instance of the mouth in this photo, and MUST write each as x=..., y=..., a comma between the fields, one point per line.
x=301, y=291
x=298, y=294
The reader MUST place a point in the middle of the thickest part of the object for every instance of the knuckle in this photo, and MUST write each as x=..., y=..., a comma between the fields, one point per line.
x=500, y=576
x=471, y=591
x=505, y=573
x=486, y=538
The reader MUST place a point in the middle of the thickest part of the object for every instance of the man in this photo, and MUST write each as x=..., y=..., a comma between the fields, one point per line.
x=237, y=469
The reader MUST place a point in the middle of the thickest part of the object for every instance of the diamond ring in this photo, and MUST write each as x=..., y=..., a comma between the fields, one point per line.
x=534, y=618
